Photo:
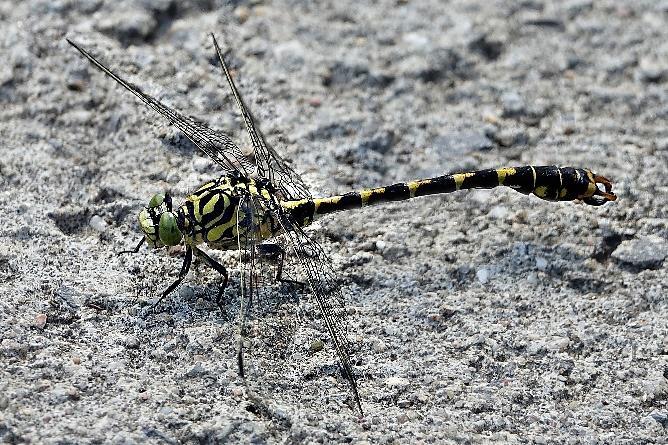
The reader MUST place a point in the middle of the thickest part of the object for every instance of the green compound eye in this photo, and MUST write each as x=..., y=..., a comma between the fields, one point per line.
x=168, y=230
x=156, y=200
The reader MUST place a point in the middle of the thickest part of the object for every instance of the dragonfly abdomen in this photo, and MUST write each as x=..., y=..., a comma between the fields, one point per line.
x=547, y=182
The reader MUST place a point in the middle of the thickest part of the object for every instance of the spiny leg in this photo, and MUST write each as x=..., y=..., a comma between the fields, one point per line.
x=185, y=267
x=135, y=250
x=276, y=253
x=218, y=268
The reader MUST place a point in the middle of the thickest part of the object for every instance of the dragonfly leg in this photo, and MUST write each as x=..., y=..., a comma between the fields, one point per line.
x=185, y=267
x=276, y=253
x=218, y=268
x=135, y=250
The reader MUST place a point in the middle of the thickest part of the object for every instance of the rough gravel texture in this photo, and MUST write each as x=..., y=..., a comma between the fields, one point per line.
x=482, y=316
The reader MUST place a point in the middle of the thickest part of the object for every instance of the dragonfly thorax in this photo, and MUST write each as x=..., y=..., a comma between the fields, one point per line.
x=229, y=210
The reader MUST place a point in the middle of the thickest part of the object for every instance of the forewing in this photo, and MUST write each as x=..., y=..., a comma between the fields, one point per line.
x=217, y=145
x=269, y=164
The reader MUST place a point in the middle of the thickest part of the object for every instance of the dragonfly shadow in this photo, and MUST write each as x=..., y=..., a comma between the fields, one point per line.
x=561, y=263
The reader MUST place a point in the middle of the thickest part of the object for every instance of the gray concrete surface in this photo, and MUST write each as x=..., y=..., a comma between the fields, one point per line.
x=481, y=316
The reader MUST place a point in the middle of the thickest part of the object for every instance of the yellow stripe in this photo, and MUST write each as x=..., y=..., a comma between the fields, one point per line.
x=196, y=214
x=459, y=179
x=541, y=191
x=217, y=232
x=265, y=194
x=209, y=206
x=533, y=171
x=289, y=205
x=412, y=187
x=365, y=194
x=331, y=200
x=207, y=185
x=214, y=222
x=503, y=172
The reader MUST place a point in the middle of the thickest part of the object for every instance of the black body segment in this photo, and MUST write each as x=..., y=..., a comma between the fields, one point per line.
x=551, y=183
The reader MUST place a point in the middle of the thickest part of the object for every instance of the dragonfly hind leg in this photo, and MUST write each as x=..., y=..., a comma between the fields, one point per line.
x=215, y=265
x=275, y=253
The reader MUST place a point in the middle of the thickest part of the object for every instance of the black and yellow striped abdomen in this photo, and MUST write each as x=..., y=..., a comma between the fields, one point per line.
x=547, y=182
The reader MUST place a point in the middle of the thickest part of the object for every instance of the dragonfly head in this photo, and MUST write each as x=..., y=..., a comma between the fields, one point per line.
x=158, y=223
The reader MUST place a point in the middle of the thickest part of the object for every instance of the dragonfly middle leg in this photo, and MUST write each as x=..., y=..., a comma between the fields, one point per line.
x=218, y=268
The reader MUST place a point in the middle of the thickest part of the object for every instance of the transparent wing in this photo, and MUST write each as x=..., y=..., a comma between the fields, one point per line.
x=217, y=145
x=276, y=328
x=326, y=288
x=267, y=322
x=269, y=164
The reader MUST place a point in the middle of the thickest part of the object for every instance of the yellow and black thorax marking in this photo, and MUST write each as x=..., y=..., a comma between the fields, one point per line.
x=547, y=182
x=223, y=211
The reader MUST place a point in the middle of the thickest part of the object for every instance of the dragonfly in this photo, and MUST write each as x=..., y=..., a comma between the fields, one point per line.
x=259, y=206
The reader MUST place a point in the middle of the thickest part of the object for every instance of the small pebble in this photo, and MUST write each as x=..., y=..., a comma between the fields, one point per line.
x=510, y=137
x=242, y=13
x=463, y=142
x=403, y=403
x=202, y=164
x=97, y=223
x=498, y=212
x=650, y=71
x=661, y=417
x=541, y=264
x=40, y=321
x=132, y=342
x=196, y=370
x=379, y=346
x=482, y=275
x=317, y=345
x=513, y=104
x=642, y=253
x=557, y=344
x=655, y=386
x=396, y=382
x=76, y=360
x=73, y=393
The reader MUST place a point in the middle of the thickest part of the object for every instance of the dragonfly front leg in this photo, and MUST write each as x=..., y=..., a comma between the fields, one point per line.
x=135, y=250
x=185, y=267
x=218, y=268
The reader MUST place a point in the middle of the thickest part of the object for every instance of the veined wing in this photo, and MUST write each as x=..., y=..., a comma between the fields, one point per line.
x=267, y=321
x=327, y=291
x=269, y=164
x=217, y=145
